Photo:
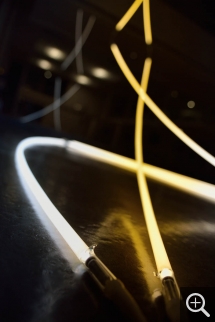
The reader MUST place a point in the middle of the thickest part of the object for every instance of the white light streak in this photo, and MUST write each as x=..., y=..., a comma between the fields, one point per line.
x=31, y=184
x=79, y=44
x=32, y=188
x=48, y=109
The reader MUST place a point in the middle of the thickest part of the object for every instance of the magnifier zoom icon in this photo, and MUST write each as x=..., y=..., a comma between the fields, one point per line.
x=196, y=299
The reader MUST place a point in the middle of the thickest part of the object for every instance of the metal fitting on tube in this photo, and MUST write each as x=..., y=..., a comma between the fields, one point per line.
x=87, y=254
x=166, y=272
x=171, y=294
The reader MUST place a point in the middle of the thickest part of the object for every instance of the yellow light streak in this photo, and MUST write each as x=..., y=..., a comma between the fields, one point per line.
x=147, y=22
x=156, y=110
x=128, y=15
x=146, y=19
x=160, y=255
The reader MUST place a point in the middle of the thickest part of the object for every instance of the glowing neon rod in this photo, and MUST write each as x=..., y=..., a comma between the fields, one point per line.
x=71, y=237
x=146, y=19
x=147, y=22
x=51, y=107
x=193, y=186
x=73, y=240
x=160, y=255
x=156, y=110
x=80, y=70
x=57, y=103
x=128, y=15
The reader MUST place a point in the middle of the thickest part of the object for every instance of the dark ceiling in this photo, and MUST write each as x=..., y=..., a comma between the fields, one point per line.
x=102, y=111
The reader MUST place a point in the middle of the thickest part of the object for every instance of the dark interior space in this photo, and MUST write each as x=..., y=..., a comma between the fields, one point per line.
x=60, y=50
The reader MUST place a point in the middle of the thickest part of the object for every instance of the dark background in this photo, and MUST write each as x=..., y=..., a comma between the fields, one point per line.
x=40, y=279
x=102, y=112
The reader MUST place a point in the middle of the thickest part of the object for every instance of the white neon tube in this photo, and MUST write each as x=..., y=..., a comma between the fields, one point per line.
x=189, y=185
x=79, y=44
x=65, y=97
x=51, y=107
x=198, y=188
x=67, y=232
x=75, y=243
x=30, y=184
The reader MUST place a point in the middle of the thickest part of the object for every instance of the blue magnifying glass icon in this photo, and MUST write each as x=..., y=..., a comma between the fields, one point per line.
x=195, y=299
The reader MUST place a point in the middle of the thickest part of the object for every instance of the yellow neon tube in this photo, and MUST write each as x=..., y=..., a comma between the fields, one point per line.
x=147, y=22
x=156, y=110
x=158, y=248
x=127, y=16
x=146, y=19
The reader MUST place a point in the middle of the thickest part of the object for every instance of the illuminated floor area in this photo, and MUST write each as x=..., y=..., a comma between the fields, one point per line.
x=103, y=206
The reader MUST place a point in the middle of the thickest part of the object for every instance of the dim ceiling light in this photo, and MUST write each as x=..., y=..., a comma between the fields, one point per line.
x=100, y=72
x=191, y=104
x=44, y=64
x=54, y=53
x=47, y=74
x=83, y=80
